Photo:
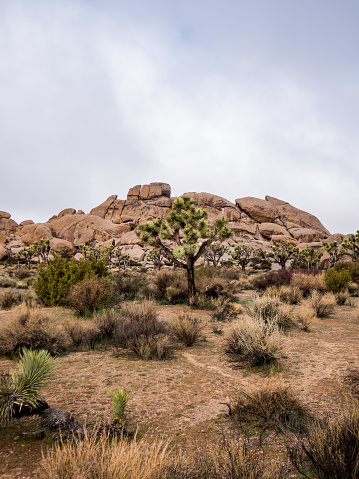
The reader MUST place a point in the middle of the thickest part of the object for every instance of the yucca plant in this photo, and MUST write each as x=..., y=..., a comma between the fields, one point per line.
x=119, y=400
x=20, y=390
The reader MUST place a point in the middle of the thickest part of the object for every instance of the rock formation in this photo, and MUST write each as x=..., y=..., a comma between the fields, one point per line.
x=254, y=221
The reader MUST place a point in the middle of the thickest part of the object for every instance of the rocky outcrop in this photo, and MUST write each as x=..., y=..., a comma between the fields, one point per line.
x=289, y=213
x=257, y=222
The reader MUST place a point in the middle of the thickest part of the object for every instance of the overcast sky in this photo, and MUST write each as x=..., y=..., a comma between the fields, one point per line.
x=236, y=98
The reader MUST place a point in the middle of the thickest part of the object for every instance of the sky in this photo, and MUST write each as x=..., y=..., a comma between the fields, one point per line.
x=236, y=98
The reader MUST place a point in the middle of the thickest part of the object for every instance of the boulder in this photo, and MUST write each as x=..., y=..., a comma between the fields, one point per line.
x=306, y=235
x=129, y=238
x=284, y=239
x=315, y=245
x=4, y=214
x=80, y=212
x=35, y=232
x=122, y=228
x=26, y=222
x=102, y=209
x=136, y=253
x=57, y=243
x=66, y=212
x=260, y=210
x=289, y=213
x=216, y=206
x=2, y=237
x=8, y=225
x=270, y=229
x=155, y=190
x=3, y=252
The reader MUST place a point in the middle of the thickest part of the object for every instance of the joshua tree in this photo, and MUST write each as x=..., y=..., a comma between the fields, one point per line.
x=242, y=255
x=333, y=250
x=350, y=246
x=214, y=253
x=183, y=228
x=156, y=257
x=283, y=253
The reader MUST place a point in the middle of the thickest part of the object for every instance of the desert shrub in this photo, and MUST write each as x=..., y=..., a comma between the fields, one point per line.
x=129, y=285
x=202, y=302
x=351, y=267
x=342, y=297
x=210, y=271
x=171, y=286
x=270, y=309
x=254, y=342
x=82, y=333
x=31, y=329
x=306, y=317
x=119, y=401
x=56, y=278
x=89, y=295
x=6, y=282
x=307, y=282
x=322, y=304
x=290, y=294
x=223, y=309
x=107, y=321
x=274, y=405
x=9, y=298
x=272, y=278
x=337, y=280
x=142, y=332
x=332, y=449
x=186, y=329
x=353, y=288
x=21, y=273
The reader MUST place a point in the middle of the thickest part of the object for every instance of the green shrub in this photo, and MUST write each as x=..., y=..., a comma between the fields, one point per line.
x=171, y=286
x=119, y=400
x=6, y=282
x=56, y=278
x=351, y=267
x=337, y=280
x=89, y=295
x=128, y=285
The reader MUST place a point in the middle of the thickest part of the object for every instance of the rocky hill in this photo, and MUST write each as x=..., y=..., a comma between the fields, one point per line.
x=254, y=221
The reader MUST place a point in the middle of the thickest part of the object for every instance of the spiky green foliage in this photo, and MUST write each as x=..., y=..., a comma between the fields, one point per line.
x=22, y=387
x=185, y=226
x=307, y=258
x=119, y=400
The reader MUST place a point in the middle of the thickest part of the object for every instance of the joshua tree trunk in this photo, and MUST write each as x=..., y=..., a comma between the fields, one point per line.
x=190, y=279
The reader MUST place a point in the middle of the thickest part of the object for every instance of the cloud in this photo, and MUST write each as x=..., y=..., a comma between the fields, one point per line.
x=96, y=97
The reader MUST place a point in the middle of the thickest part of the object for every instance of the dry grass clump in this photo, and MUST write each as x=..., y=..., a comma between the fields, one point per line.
x=171, y=285
x=97, y=458
x=308, y=282
x=6, y=282
x=186, y=329
x=31, y=328
x=306, y=317
x=270, y=309
x=286, y=294
x=9, y=298
x=82, y=333
x=223, y=309
x=254, y=341
x=342, y=297
x=107, y=321
x=351, y=382
x=142, y=332
x=273, y=405
x=332, y=449
x=322, y=304
x=89, y=295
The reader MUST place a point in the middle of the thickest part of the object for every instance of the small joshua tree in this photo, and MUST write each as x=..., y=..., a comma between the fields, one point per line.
x=156, y=257
x=242, y=255
x=350, y=246
x=283, y=253
x=215, y=252
x=333, y=250
x=184, y=226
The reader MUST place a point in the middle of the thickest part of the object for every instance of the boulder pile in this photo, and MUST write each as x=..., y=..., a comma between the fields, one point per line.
x=257, y=222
